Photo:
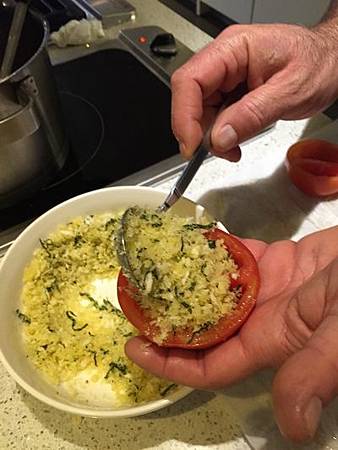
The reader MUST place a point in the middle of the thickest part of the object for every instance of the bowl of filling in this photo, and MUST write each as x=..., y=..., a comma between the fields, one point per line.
x=67, y=307
x=62, y=331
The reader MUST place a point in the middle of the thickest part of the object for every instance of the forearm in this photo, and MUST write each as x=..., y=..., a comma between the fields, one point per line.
x=332, y=12
x=328, y=26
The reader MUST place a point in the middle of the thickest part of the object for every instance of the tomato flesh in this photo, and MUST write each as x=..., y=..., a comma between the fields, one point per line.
x=248, y=279
x=313, y=167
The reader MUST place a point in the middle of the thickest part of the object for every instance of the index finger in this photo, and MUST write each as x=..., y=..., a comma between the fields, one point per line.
x=218, y=68
x=186, y=112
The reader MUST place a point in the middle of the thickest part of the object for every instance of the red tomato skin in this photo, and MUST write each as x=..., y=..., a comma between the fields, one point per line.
x=312, y=165
x=225, y=327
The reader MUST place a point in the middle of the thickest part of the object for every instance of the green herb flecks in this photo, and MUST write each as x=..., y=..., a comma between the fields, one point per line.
x=78, y=239
x=204, y=327
x=102, y=307
x=46, y=245
x=156, y=224
x=111, y=222
x=128, y=334
x=182, y=303
x=24, y=319
x=192, y=286
x=238, y=291
x=94, y=356
x=105, y=306
x=187, y=306
x=182, y=245
x=194, y=226
x=72, y=317
x=211, y=243
x=120, y=367
x=118, y=313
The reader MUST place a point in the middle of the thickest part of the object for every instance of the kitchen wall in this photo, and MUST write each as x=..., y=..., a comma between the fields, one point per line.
x=306, y=12
x=238, y=10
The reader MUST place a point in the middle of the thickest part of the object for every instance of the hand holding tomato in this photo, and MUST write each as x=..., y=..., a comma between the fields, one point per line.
x=295, y=323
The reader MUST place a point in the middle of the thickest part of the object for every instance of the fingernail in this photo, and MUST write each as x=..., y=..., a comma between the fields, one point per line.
x=312, y=415
x=226, y=138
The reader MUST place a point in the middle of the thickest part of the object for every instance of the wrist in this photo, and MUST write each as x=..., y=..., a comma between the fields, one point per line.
x=327, y=28
x=326, y=36
x=328, y=31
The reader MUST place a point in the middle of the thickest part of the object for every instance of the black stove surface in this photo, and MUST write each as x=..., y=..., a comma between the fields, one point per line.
x=57, y=12
x=118, y=119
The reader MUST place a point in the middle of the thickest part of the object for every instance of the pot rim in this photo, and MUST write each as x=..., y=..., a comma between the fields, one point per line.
x=42, y=45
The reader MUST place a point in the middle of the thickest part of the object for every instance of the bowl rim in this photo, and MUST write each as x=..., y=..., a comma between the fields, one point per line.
x=179, y=393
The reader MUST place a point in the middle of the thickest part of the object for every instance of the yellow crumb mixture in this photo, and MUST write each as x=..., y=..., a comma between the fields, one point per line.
x=69, y=323
x=184, y=277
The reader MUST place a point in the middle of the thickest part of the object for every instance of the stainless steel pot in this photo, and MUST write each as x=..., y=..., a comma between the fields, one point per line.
x=33, y=141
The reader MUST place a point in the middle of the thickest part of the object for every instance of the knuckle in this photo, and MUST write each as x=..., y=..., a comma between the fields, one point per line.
x=296, y=88
x=232, y=30
x=254, y=109
x=177, y=76
x=184, y=72
x=304, y=95
x=235, y=28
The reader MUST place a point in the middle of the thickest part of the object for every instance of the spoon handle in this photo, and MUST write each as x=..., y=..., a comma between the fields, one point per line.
x=14, y=35
x=185, y=178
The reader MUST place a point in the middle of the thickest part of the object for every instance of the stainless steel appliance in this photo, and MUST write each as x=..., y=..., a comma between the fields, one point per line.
x=116, y=102
x=33, y=142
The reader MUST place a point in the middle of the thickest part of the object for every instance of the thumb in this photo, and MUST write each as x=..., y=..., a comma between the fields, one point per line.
x=305, y=383
x=308, y=380
x=249, y=116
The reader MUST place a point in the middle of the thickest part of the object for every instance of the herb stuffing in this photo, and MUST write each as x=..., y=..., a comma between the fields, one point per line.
x=71, y=329
x=183, y=278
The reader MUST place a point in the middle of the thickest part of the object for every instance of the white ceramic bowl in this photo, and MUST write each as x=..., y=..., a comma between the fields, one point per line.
x=11, y=273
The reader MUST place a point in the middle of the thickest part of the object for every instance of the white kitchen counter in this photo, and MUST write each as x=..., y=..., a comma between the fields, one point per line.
x=253, y=198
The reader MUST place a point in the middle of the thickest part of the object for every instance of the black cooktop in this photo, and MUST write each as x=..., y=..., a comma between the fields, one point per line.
x=57, y=12
x=117, y=115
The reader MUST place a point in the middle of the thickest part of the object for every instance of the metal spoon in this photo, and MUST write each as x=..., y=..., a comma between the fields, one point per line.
x=13, y=39
x=185, y=178
x=175, y=194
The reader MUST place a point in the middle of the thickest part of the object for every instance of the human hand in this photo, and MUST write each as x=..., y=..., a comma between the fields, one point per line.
x=290, y=72
x=294, y=327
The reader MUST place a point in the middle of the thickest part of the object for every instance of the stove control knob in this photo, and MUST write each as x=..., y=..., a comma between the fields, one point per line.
x=164, y=44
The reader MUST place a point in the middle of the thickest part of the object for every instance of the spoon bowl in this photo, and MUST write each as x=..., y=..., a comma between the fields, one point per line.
x=174, y=195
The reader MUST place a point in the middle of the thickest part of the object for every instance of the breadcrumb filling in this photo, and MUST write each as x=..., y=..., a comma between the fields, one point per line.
x=184, y=278
x=71, y=329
